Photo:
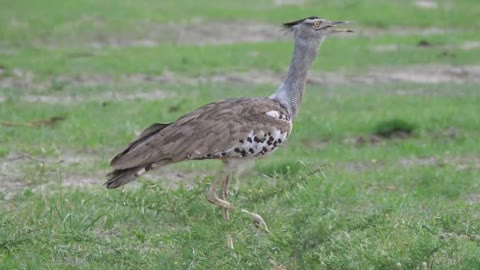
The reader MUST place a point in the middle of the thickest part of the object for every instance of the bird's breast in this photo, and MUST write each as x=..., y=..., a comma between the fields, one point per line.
x=260, y=142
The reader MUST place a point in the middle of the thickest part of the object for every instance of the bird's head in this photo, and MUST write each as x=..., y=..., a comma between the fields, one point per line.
x=315, y=28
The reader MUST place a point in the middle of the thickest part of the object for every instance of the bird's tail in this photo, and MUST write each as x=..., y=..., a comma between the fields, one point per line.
x=119, y=178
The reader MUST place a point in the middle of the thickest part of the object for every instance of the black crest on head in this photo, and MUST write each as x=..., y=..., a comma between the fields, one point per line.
x=291, y=24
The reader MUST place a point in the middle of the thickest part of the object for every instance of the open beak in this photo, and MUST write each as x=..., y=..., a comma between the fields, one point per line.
x=334, y=29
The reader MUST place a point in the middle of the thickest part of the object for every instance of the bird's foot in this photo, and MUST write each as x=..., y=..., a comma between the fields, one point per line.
x=257, y=220
x=229, y=241
x=221, y=203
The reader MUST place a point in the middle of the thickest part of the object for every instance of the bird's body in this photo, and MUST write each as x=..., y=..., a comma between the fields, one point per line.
x=231, y=130
x=244, y=128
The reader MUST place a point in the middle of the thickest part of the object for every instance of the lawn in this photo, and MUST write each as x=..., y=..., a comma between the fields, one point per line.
x=382, y=170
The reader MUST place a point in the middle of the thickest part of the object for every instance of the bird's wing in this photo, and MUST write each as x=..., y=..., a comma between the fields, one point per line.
x=232, y=128
x=147, y=133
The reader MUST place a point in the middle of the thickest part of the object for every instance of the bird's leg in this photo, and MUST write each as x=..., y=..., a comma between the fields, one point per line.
x=257, y=219
x=224, y=179
x=224, y=195
x=226, y=216
x=212, y=192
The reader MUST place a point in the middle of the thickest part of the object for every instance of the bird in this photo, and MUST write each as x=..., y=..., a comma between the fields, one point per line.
x=235, y=130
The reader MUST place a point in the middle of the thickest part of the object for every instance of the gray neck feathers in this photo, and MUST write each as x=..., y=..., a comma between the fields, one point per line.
x=290, y=93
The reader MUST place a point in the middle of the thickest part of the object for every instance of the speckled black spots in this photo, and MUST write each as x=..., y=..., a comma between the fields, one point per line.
x=259, y=140
x=284, y=117
x=251, y=150
x=274, y=144
x=237, y=150
x=249, y=140
x=148, y=167
x=279, y=140
x=223, y=154
x=264, y=149
x=241, y=141
x=269, y=142
x=269, y=134
x=244, y=153
x=271, y=139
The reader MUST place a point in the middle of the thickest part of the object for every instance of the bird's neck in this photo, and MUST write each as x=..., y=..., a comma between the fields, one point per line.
x=290, y=93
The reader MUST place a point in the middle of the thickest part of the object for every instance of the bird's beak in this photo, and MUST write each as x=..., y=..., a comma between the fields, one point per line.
x=333, y=27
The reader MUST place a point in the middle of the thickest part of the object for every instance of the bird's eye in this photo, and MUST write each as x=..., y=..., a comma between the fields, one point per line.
x=317, y=24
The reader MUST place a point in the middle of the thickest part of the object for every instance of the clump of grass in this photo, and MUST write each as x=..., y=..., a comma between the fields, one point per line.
x=394, y=128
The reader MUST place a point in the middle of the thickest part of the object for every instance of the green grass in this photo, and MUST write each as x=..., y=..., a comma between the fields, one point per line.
x=23, y=22
x=334, y=197
x=348, y=53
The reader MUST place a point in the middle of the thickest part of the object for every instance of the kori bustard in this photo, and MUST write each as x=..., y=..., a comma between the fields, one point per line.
x=231, y=130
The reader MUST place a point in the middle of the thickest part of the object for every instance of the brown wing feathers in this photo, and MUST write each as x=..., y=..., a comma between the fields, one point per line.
x=147, y=133
x=208, y=132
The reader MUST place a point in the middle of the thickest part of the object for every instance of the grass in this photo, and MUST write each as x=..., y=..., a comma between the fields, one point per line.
x=334, y=197
x=355, y=54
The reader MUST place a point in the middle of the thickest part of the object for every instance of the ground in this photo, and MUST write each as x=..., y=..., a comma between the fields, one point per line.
x=381, y=171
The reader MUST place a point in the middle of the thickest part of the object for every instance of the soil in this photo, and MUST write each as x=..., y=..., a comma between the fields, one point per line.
x=466, y=46
x=420, y=74
x=200, y=32
x=14, y=178
x=103, y=97
x=426, y=4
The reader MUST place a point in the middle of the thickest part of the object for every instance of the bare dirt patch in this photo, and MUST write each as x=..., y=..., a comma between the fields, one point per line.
x=466, y=46
x=167, y=178
x=473, y=199
x=104, y=96
x=201, y=32
x=197, y=32
x=42, y=174
x=470, y=45
x=230, y=32
x=358, y=166
x=419, y=162
x=426, y=4
x=171, y=178
x=423, y=74
x=227, y=32
x=23, y=79
x=17, y=78
x=464, y=163
x=289, y=2
x=92, y=80
x=317, y=144
x=18, y=170
x=255, y=77
x=362, y=140
x=420, y=74
x=402, y=31
x=458, y=162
